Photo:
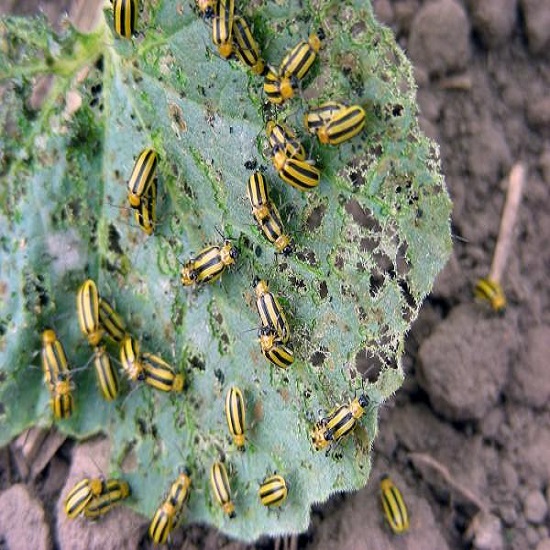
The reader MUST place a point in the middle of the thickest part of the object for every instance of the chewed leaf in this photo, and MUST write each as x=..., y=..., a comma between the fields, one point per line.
x=370, y=240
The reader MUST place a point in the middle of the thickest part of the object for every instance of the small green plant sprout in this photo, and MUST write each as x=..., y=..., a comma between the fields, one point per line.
x=368, y=242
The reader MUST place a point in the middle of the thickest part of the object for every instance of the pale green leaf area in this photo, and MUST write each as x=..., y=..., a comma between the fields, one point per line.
x=370, y=241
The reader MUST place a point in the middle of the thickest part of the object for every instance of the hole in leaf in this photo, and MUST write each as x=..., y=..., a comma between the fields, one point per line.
x=220, y=376
x=315, y=218
x=317, y=358
x=195, y=362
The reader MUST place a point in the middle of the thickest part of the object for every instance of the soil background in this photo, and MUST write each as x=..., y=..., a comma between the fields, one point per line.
x=467, y=438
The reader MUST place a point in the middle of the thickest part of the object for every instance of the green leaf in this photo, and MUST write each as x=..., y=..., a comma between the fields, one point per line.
x=370, y=241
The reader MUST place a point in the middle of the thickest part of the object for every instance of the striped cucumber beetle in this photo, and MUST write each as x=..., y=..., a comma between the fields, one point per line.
x=270, y=310
x=266, y=214
x=209, y=264
x=54, y=360
x=282, y=137
x=222, y=27
x=106, y=375
x=160, y=375
x=111, y=321
x=180, y=490
x=113, y=491
x=130, y=359
x=274, y=350
x=221, y=488
x=167, y=515
x=80, y=496
x=236, y=416
x=56, y=375
x=162, y=523
x=344, y=124
x=491, y=292
x=298, y=61
x=273, y=230
x=278, y=89
x=125, y=15
x=339, y=422
x=61, y=401
x=256, y=190
x=273, y=490
x=319, y=117
x=299, y=173
x=394, y=507
x=146, y=213
x=143, y=173
x=245, y=46
x=87, y=307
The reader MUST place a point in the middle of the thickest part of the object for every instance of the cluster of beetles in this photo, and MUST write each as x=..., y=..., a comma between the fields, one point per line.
x=333, y=123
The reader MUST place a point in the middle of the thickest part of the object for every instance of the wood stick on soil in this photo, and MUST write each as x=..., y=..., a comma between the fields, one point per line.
x=516, y=182
x=443, y=471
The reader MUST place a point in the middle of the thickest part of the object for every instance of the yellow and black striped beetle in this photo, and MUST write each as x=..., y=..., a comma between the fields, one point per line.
x=56, y=375
x=221, y=488
x=342, y=420
x=209, y=264
x=492, y=292
x=273, y=230
x=270, y=311
x=320, y=116
x=344, y=124
x=298, y=61
x=277, y=88
x=87, y=307
x=274, y=350
x=125, y=15
x=163, y=522
x=106, y=374
x=167, y=515
x=256, y=190
x=143, y=173
x=112, y=493
x=180, y=490
x=273, y=490
x=245, y=46
x=301, y=174
x=235, y=416
x=146, y=213
x=222, y=26
x=160, y=375
x=393, y=505
x=130, y=359
x=80, y=495
x=111, y=321
x=282, y=137
x=54, y=360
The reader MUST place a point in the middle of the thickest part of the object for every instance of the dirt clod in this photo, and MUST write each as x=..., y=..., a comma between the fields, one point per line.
x=23, y=523
x=529, y=383
x=493, y=20
x=439, y=38
x=537, y=24
x=462, y=383
x=535, y=507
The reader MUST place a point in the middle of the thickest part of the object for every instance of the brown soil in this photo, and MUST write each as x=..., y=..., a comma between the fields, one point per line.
x=467, y=438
